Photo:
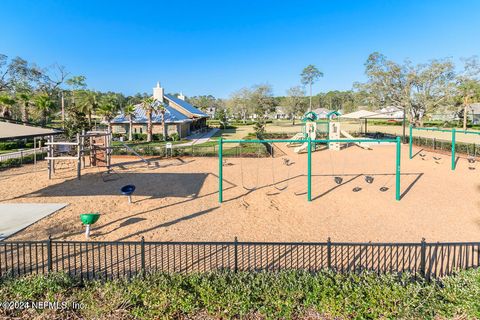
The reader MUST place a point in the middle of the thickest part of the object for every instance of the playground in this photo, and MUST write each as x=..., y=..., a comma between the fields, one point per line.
x=321, y=182
x=177, y=199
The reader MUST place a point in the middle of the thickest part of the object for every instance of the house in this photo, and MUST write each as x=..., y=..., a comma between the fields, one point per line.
x=180, y=117
x=475, y=112
x=321, y=113
x=210, y=111
x=390, y=112
x=281, y=113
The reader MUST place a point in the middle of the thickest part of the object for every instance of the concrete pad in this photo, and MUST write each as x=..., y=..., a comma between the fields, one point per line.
x=17, y=216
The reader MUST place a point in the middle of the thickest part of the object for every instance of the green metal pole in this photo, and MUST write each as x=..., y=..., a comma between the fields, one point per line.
x=309, y=171
x=410, y=138
x=453, y=148
x=397, y=171
x=220, y=170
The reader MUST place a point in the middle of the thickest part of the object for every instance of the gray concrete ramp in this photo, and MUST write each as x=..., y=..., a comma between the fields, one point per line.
x=17, y=216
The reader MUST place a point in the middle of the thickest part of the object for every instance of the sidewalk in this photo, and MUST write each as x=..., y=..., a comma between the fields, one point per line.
x=198, y=138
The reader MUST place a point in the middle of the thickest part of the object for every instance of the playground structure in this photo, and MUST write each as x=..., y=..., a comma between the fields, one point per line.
x=309, y=143
x=472, y=156
x=95, y=144
x=311, y=129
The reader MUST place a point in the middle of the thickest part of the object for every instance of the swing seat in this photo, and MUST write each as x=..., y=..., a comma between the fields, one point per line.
x=384, y=189
x=369, y=179
x=471, y=160
x=356, y=189
x=338, y=180
x=437, y=158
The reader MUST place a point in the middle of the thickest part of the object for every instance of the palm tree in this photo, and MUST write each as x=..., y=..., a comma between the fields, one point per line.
x=108, y=111
x=308, y=76
x=161, y=108
x=148, y=104
x=6, y=102
x=87, y=102
x=26, y=99
x=44, y=105
x=129, y=112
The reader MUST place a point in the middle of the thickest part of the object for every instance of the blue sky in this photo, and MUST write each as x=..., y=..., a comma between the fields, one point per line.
x=216, y=47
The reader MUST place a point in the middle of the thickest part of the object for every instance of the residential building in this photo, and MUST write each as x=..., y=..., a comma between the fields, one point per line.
x=180, y=117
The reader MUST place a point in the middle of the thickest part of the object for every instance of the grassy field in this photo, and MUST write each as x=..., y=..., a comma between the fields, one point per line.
x=284, y=295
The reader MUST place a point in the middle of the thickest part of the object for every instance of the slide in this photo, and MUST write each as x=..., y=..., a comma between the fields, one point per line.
x=360, y=144
x=134, y=152
x=298, y=136
x=303, y=147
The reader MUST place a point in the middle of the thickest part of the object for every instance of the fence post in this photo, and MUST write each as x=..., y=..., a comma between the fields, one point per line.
x=329, y=253
x=49, y=254
x=142, y=255
x=21, y=156
x=398, y=171
x=434, y=143
x=410, y=138
x=235, y=251
x=220, y=170
x=423, y=252
x=309, y=170
x=453, y=148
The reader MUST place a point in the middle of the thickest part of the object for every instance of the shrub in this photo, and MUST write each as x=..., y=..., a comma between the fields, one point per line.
x=258, y=295
x=8, y=145
x=174, y=137
x=139, y=136
x=157, y=137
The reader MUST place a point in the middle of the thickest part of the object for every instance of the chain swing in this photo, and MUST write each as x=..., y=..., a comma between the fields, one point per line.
x=472, y=157
x=257, y=172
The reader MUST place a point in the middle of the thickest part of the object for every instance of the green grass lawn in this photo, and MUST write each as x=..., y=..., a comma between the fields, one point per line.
x=261, y=295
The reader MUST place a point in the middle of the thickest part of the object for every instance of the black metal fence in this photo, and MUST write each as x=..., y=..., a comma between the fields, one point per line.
x=108, y=260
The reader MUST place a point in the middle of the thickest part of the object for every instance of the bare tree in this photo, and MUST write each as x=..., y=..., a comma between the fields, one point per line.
x=295, y=102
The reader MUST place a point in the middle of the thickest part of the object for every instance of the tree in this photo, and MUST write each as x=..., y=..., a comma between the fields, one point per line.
x=468, y=87
x=221, y=115
x=88, y=103
x=129, y=112
x=148, y=104
x=261, y=99
x=204, y=102
x=108, y=109
x=44, y=105
x=25, y=98
x=239, y=103
x=295, y=102
x=6, y=102
x=77, y=83
x=418, y=89
x=308, y=76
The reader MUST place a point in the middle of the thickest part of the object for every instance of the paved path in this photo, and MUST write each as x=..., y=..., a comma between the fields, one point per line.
x=198, y=138
x=17, y=216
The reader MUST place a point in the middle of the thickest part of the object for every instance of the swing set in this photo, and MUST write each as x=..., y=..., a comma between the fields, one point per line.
x=472, y=156
x=287, y=162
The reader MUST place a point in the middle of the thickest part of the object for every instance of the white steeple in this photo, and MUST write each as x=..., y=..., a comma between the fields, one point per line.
x=181, y=96
x=158, y=92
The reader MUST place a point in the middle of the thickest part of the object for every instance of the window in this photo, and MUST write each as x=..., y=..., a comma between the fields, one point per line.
x=141, y=131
